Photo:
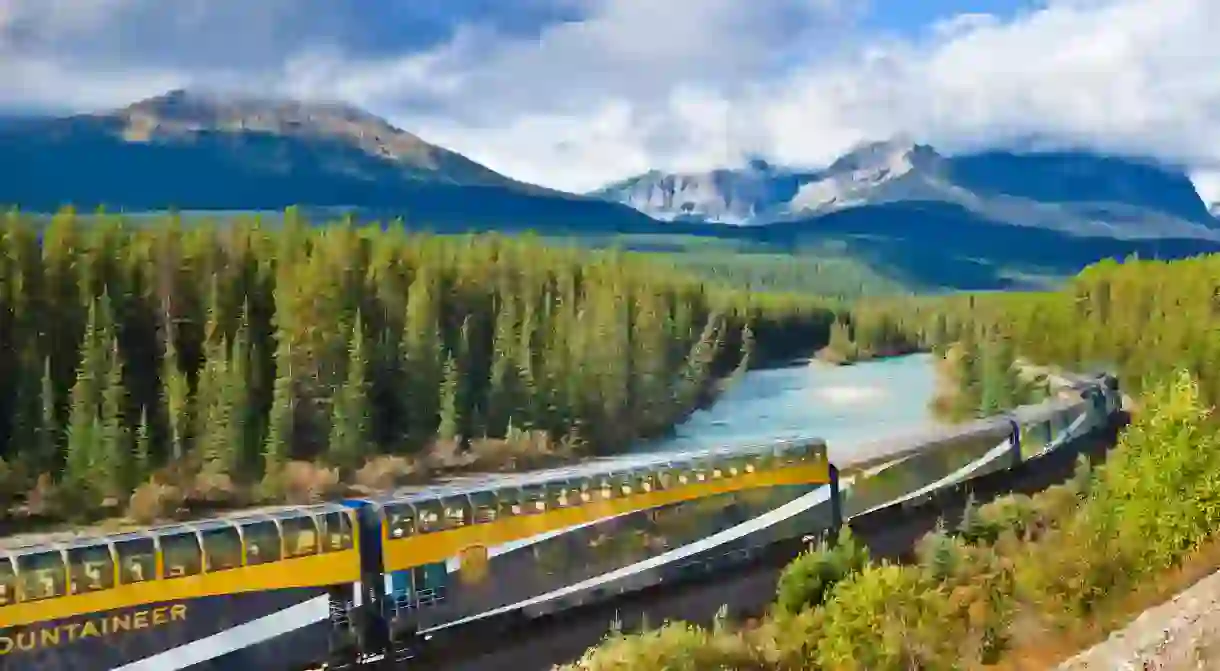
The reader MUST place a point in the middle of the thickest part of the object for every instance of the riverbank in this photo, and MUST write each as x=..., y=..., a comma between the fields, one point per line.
x=838, y=357
x=995, y=386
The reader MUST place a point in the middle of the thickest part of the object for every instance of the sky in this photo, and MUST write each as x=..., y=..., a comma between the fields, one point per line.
x=576, y=93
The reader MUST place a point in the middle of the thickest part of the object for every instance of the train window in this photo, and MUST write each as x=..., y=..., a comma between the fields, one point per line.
x=484, y=507
x=400, y=521
x=683, y=474
x=300, y=536
x=802, y=453
x=560, y=495
x=763, y=461
x=574, y=493
x=738, y=466
x=262, y=539
x=583, y=490
x=8, y=582
x=508, y=501
x=91, y=569
x=698, y=471
x=222, y=548
x=338, y=532
x=137, y=560
x=644, y=481
x=430, y=517
x=784, y=456
x=603, y=488
x=533, y=499
x=457, y=511
x=625, y=484
x=181, y=555
x=662, y=479
x=42, y=575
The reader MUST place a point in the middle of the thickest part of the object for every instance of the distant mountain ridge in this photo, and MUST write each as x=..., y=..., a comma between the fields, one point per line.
x=191, y=150
x=1075, y=192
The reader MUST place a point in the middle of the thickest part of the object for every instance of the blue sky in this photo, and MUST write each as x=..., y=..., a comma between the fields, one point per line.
x=575, y=93
x=911, y=17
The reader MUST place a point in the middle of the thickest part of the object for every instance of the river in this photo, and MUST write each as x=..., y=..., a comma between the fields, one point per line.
x=843, y=405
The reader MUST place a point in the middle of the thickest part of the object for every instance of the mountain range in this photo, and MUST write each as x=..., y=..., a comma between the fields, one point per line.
x=1077, y=193
x=976, y=220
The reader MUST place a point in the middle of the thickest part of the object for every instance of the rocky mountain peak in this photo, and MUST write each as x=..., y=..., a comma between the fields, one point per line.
x=896, y=156
x=181, y=113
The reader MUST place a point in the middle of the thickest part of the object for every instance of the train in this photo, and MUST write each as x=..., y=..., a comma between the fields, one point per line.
x=363, y=583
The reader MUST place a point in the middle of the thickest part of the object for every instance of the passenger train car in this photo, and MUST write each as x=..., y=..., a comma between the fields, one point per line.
x=100, y=603
x=364, y=581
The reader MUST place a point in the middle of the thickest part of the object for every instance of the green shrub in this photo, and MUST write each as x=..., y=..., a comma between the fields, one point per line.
x=808, y=579
x=887, y=618
x=673, y=647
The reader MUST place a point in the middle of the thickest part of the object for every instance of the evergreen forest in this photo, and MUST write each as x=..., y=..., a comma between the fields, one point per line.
x=159, y=369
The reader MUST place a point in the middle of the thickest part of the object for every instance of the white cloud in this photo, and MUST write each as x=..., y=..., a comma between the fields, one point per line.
x=696, y=83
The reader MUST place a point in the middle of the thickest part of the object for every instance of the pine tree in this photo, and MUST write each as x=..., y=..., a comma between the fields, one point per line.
x=451, y=398
x=999, y=379
x=281, y=422
x=48, y=438
x=114, y=445
x=176, y=392
x=422, y=356
x=939, y=338
x=142, y=456
x=504, y=385
x=350, y=439
x=86, y=460
x=969, y=371
x=212, y=412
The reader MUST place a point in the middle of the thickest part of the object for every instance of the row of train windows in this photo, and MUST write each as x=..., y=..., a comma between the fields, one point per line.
x=403, y=520
x=45, y=575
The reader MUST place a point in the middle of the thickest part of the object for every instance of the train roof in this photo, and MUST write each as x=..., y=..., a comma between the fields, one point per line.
x=870, y=453
x=594, y=467
x=25, y=543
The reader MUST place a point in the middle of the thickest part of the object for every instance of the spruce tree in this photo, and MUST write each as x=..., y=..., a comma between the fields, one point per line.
x=451, y=398
x=281, y=421
x=86, y=457
x=350, y=430
x=48, y=438
x=176, y=392
x=115, y=466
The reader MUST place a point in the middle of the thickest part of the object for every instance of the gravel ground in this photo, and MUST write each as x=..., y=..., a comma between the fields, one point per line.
x=1181, y=634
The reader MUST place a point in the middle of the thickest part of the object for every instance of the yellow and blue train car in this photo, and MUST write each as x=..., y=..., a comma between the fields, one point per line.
x=179, y=596
x=279, y=588
x=477, y=546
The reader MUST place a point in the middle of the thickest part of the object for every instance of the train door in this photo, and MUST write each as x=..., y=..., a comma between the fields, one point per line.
x=398, y=587
x=430, y=582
